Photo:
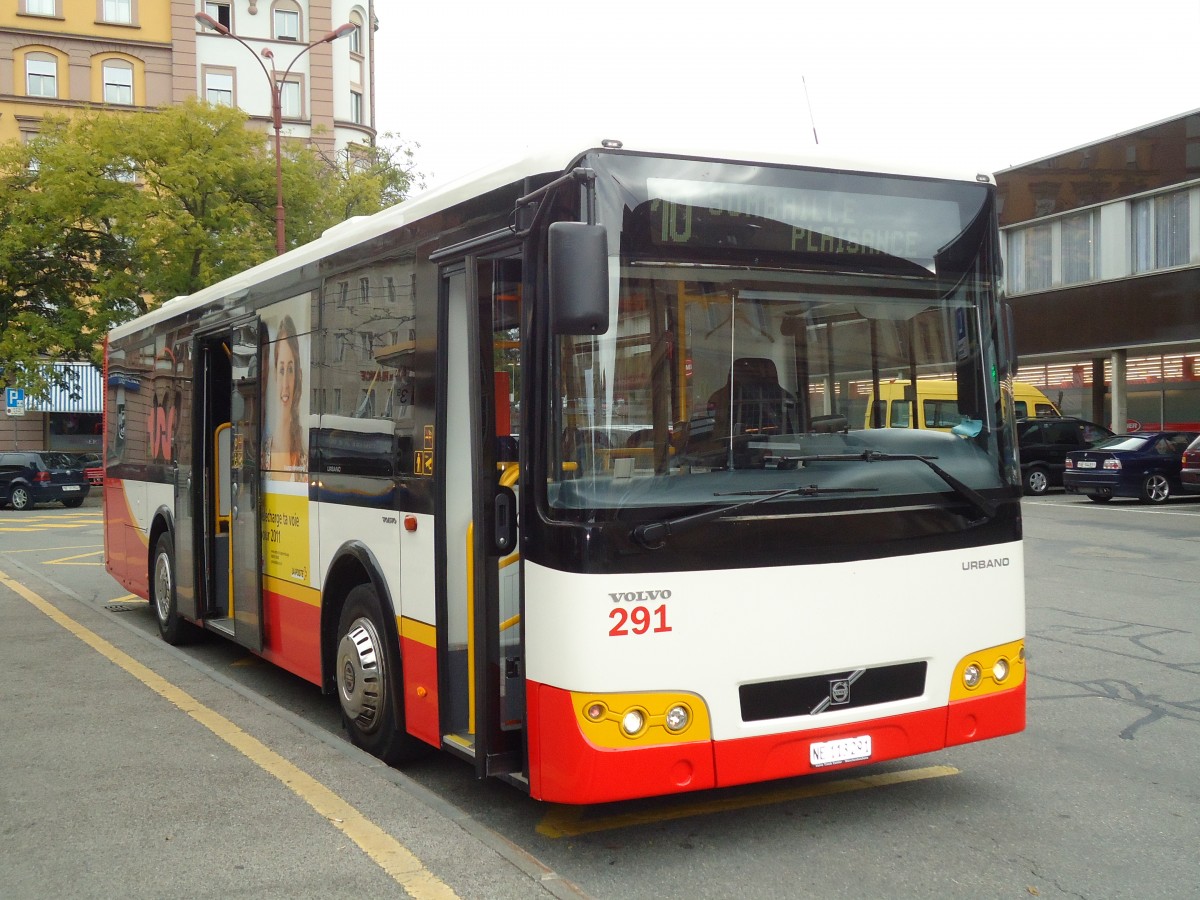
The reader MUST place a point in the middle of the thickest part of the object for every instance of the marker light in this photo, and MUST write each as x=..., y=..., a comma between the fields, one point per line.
x=678, y=718
x=596, y=712
x=971, y=675
x=1000, y=669
x=633, y=722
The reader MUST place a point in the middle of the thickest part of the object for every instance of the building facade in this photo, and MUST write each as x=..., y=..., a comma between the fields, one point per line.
x=1102, y=252
x=59, y=56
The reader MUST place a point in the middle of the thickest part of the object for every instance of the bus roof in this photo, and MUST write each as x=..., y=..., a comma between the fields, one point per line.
x=549, y=160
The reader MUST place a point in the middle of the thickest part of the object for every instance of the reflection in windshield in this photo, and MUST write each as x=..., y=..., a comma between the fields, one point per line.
x=738, y=355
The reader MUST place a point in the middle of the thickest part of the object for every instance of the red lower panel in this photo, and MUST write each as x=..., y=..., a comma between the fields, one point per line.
x=786, y=755
x=566, y=768
x=292, y=635
x=125, y=553
x=419, y=662
x=986, y=717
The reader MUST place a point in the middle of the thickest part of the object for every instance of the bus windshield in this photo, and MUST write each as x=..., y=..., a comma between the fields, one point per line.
x=758, y=312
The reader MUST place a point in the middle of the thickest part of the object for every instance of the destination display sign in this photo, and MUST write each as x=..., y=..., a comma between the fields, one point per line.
x=752, y=217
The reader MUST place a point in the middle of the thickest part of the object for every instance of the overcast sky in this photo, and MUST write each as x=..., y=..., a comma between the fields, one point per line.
x=979, y=83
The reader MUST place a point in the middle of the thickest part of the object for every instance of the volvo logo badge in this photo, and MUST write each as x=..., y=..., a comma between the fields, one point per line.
x=839, y=692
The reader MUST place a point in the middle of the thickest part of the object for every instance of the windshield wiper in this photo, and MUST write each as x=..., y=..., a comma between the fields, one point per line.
x=653, y=535
x=968, y=493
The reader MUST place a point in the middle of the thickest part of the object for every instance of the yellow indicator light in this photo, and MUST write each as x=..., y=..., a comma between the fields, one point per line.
x=642, y=718
x=988, y=671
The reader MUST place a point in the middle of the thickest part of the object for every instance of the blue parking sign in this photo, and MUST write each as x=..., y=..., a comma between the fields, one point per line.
x=14, y=397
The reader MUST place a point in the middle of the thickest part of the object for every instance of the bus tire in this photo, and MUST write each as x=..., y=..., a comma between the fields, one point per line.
x=367, y=675
x=172, y=627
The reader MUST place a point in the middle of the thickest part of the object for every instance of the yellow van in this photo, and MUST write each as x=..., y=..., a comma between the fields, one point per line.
x=938, y=404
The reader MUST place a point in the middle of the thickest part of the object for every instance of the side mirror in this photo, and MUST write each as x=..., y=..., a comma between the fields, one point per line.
x=578, y=278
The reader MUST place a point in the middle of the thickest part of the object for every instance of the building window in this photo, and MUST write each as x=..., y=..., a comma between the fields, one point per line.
x=364, y=289
x=287, y=25
x=1160, y=231
x=356, y=110
x=343, y=294
x=220, y=12
x=289, y=100
x=218, y=88
x=41, y=75
x=1080, y=247
x=41, y=7
x=355, y=37
x=119, y=12
x=118, y=82
x=1030, y=261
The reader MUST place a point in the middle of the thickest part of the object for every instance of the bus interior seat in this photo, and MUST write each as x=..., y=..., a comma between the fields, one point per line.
x=760, y=405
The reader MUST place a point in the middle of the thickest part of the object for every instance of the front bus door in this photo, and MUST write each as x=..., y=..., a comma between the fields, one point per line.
x=481, y=631
x=244, y=483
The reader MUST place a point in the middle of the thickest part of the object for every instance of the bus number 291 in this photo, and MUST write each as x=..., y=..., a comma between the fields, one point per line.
x=638, y=620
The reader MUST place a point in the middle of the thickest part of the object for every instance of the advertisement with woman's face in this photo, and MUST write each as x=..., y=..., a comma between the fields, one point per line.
x=285, y=438
x=286, y=359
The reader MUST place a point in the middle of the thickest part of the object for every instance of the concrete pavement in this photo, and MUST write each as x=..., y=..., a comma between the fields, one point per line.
x=128, y=771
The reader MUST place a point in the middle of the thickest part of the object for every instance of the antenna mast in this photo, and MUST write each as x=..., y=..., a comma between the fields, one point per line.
x=811, y=119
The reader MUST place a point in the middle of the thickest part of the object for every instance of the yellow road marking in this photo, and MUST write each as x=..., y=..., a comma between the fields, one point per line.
x=388, y=853
x=572, y=821
x=126, y=597
x=69, y=560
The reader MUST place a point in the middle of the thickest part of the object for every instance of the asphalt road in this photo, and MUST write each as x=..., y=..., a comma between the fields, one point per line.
x=112, y=787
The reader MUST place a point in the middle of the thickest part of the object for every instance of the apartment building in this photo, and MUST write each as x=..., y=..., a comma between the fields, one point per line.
x=58, y=56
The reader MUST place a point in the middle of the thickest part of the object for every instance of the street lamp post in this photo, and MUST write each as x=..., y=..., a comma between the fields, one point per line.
x=276, y=84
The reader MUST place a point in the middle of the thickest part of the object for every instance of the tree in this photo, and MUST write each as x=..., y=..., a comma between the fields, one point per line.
x=105, y=215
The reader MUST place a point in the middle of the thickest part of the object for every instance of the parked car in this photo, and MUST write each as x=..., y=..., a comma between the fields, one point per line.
x=29, y=477
x=1189, y=475
x=1043, y=444
x=1145, y=465
x=93, y=467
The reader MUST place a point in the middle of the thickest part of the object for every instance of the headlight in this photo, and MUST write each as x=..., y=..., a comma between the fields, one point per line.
x=677, y=718
x=633, y=722
x=971, y=676
x=1000, y=669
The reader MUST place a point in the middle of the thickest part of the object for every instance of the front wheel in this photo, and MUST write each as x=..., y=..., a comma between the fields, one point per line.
x=1037, y=482
x=1155, y=488
x=174, y=629
x=19, y=499
x=367, y=674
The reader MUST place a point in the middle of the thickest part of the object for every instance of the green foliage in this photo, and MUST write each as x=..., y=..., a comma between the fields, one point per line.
x=105, y=215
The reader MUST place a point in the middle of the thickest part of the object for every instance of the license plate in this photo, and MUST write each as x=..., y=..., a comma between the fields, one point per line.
x=70, y=487
x=828, y=753
x=1086, y=464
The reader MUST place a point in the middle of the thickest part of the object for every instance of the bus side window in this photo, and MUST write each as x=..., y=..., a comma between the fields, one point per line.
x=1022, y=409
x=901, y=414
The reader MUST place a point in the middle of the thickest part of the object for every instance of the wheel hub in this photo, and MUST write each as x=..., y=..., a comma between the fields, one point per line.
x=162, y=587
x=361, y=688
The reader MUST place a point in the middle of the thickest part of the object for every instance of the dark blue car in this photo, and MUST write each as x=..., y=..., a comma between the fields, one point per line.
x=1144, y=465
x=28, y=477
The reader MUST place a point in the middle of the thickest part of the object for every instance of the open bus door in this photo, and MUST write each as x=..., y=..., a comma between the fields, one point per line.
x=479, y=631
x=224, y=520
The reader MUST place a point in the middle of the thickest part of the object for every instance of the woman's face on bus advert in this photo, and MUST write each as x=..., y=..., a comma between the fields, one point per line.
x=285, y=373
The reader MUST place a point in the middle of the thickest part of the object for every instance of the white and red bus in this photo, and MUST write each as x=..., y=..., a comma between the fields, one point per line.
x=560, y=470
